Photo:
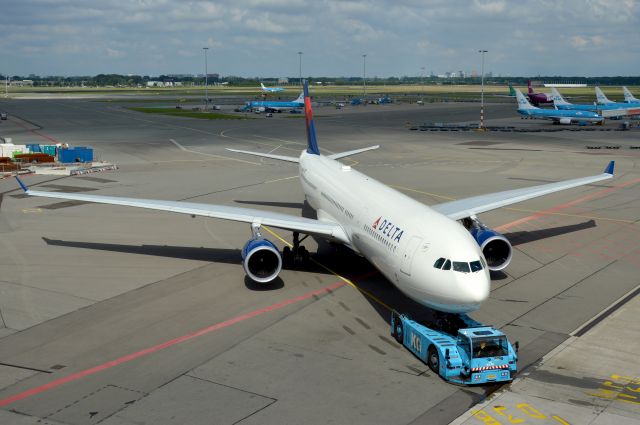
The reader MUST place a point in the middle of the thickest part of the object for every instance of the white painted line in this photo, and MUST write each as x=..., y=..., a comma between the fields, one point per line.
x=182, y=148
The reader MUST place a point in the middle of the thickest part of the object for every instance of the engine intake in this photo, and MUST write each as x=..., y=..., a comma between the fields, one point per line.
x=261, y=260
x=495, y=247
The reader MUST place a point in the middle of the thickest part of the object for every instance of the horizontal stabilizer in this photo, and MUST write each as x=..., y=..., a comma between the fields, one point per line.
x=353, y=152
x=267, y=155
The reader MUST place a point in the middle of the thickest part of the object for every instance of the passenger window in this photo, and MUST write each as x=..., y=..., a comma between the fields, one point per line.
x=447, y=265
x=475, y=266
x=439, y=262
x=459, y=266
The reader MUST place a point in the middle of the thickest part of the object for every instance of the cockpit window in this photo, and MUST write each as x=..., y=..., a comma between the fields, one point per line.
x=475, y=266
x=459, y=266
x=447, y=265
x=439, y=262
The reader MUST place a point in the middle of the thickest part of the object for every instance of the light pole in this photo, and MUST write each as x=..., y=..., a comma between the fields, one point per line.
x=206, y=78
x=364, y=76
x=300, y=67
x=482, y=52
x=422, y=82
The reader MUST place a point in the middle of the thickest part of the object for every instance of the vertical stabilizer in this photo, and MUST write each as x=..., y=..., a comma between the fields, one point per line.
x=529, y=87
x=601, y=98
x=300, y=98
x=523, y=103
x=312, y=142
x=557, y=97
x=512, y=91
x=628, y=96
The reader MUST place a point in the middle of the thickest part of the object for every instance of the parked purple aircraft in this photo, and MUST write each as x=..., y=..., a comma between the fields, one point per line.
x=538, y=99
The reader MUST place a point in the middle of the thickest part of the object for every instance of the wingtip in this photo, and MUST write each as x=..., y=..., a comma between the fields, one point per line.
x=610, y=167
x=22, y=185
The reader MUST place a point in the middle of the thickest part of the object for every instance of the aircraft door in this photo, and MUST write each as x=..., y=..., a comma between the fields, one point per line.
x=409, y=253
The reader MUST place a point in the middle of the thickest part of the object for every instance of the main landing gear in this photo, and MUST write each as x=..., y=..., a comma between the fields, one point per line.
x=296, y=255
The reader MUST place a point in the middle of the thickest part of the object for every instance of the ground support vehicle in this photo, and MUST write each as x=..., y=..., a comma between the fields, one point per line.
x=458, y=348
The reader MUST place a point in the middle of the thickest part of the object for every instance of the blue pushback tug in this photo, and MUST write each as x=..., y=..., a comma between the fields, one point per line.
x=458, y=348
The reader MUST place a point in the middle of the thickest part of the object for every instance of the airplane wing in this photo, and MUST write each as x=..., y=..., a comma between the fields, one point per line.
x=353, y=152
x=308, y=226
x=462, y=208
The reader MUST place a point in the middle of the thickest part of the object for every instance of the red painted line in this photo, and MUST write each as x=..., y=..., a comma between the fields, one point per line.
x=567, y=205
x=129, y=357
x=51, y=139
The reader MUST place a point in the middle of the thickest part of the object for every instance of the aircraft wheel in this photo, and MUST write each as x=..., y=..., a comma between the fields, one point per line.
x=397, y=330
x=304, y=255
x=433, y=359
x=287, y=255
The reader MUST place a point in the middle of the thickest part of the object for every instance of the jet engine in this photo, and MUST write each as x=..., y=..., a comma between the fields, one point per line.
x=261, y=260
x=495, y=247
x=565, y=120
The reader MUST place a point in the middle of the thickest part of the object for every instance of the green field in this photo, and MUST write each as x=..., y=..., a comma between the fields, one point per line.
x=188, y=113
x=413, y=90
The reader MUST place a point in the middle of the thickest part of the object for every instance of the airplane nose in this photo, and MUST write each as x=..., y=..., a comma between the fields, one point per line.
x=476, y=290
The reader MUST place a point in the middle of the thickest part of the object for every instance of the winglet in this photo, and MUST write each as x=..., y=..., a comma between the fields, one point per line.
x=610, y=167
x=312, y=143
x=22, y=185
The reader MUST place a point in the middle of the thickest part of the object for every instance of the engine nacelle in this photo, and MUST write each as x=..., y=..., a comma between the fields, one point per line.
x=565, y=121
x=261, y=260
x=495, y=247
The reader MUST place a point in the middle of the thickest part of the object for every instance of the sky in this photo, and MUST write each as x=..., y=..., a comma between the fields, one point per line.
x=262, y=38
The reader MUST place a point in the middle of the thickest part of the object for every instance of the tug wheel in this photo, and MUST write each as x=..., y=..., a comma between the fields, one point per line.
x=433, y=359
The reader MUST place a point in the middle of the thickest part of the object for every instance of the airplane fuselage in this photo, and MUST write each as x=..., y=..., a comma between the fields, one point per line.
x=561, y=115
x=275, y=105
x=401, y=237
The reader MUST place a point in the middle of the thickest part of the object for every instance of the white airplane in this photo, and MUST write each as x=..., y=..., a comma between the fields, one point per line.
x=440, y=256
x=271, y=89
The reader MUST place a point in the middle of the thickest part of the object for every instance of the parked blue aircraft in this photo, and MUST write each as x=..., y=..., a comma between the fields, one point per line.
x=557, y=116
x=274, y=105
x=271, y=89
x=607, y=110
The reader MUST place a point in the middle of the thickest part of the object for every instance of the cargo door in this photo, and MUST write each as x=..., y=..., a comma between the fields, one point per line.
x=409, y=253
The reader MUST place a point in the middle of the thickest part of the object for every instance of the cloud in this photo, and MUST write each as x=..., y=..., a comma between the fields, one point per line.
x=114, y=53
x=164, y=36
x=490, y=7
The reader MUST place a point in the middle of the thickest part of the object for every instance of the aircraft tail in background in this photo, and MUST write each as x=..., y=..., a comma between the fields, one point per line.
x=557, y=97
x=629, y=97
x=523, y=103
x=530, y=89
x=601, y=97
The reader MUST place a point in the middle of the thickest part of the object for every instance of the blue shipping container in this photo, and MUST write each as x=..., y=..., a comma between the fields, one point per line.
x=78, y=154
x=48, y=149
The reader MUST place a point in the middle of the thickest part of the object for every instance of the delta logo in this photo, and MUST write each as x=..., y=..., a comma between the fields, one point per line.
x=388, y=229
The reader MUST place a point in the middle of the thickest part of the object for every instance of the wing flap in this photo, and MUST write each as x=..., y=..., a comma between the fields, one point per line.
x=478, y=204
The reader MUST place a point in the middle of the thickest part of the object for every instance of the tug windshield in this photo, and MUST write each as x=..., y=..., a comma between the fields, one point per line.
x=490, y=346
